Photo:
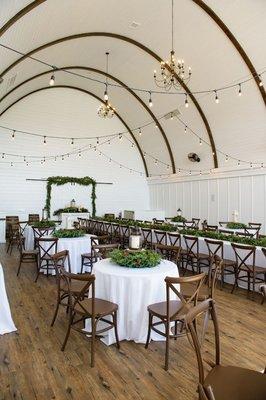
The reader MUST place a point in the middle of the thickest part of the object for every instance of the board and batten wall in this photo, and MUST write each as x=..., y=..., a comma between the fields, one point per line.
x=71, y=114
x=214, y=197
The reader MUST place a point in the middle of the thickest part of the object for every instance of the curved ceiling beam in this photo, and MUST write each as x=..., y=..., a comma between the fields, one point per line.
x=146, y=50
x=90, y=94
x=235, y=43
x=19, y=15
x=143, y=104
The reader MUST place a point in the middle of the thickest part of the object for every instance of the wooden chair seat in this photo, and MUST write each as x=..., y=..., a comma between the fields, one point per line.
x=229, y=382
x=249, y=268
x=159, y=309
x=101, y=307
x=29, y=252
x=86, y=255
x=228, y=263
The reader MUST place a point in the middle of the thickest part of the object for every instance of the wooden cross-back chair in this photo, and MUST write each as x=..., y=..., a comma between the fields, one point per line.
x=101, y=251
x=211, y=228
x=216, y=249
x=41, y=232
x=160, y=237
x=147, y=241
x=168, y=252
x=124, y=235
x=221, y=382
x=88, y=259
x=82, y=308
x=33, y=218
x=255, y=225
x=116, y=232
x=196, y=222
x=25, y=256
x=173, y=311
x=14, y=236
x=246, y=270
x=47, y=247
x=196, y=259
x=253, y=231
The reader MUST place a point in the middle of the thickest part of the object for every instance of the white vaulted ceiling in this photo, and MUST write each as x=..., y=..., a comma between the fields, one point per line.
x=237, y=124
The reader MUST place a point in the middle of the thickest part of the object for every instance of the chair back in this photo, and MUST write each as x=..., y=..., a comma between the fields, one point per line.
x=188, y=225
x=245, y=256
x=196, y=222
x=192, y=245
x=61, y=262
x=254, y=225
x=215, y=271
x=244, y=234
x=146, y=237
x=207, y=310
x=47, y=247
x=211, y=228
x=101, y=251
x=215, y=248
x=174, y=239
x=253, y=231
x=116, y=231
x=33, y=218
x=124, y=231
x=171, y=286
x=87, y=283
x=168, y=252
x=40, y=232
x=11, y=219
x=160, y=237
x=223, y=224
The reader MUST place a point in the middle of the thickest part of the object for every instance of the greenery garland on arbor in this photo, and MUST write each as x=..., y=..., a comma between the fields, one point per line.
x=62, y=180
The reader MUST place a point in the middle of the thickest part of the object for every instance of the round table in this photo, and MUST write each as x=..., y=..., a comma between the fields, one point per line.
x=6, y=322
x=133, y=289
x=76, y=247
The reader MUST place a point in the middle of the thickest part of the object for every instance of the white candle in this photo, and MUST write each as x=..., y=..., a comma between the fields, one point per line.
x=134, y=242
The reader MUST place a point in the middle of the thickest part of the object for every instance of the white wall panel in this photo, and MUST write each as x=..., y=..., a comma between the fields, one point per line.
x=216, y=197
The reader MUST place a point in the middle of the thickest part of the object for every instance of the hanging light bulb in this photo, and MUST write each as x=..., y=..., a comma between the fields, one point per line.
x=240, y=90
x=200, y=172
x=144, y=154
x=72, y=142
x=140, y=132
x=13, y=135
x=105, y=94
x=226, y=158
x=216, y=97
x=120, y=136
x=110, y=159
x=106, y=110
x=44, y=140
x=262, y=165
x=132, y=145
x=238, y=163
x=150, y=101
x=189, y=172
x=55, y=158
x=97, y=141
x=3, y=155
x=27, y=163
x=251, y=165
x=24, y=159
x=52, y=80
x=63, y=158
x=260, y=81
x=171, y=116
x=11, y=164
x=200, y=142
x=186, y=102
x=79, y=153
x=185, y=129
x=179, y=170
x=156, y=161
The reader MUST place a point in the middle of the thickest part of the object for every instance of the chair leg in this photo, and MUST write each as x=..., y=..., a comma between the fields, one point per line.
x=81, y=269
x=20, y=262
x=116, y=331
x=149, y=331
x=235, y=284
x=166, y=365
x=56, y=310
x=93, y=325
x=70, y=320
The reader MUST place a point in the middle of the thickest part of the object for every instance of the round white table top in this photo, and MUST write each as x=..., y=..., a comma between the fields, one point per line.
x=6, y=322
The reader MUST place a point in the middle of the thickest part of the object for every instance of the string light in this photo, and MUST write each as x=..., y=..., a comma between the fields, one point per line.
x=186, y=102
x=13, y=135
x=200, y=142
x=52, y=80
x=140, y=132
x=150, y=101
x=216, y=97
x=260, y=80
x=251, y=165
x=44, y=140
x=120, y=136
x=185, y=128
x=238, y=163
x=72, y=142
x=97, y=141
x=79, y=153
x=226, y=158
x=3, y=155
x=11, y=164
x=132, y=145
x=262, y=165
x=171, y=116
x=240, y=90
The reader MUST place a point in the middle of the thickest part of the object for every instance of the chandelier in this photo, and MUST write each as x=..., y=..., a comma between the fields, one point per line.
x=172, y=69
x=106, y=110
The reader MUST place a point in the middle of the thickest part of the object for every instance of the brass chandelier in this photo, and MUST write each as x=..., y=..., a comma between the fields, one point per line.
x=106, y=110
x=173, y=72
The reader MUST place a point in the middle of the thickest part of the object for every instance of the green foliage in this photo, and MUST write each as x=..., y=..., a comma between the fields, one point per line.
x=62, y=180
x=179, y=218
x=135, y=259
x=236, y=225
x=68, y=233
x=133, y=223
x=44, y=224
x=70, y=210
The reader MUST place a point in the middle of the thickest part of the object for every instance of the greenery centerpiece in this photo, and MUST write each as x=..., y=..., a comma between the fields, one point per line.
x=43, y=224
x=236, y=225
x=135, y=259
x=179, y=218
x=70, y=210
x=62, y=180
x=68, y=233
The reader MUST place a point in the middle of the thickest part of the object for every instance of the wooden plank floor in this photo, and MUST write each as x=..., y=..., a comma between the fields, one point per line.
x=33, y=367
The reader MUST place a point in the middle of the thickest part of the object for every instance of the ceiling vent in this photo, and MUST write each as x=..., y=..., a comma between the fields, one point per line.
x=193, y=157
x=135, y=24
x=11, y=81
x=172, y=114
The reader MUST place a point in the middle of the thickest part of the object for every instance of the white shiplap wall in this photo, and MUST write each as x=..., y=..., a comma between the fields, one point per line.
x=67, y=113
x=214, y=197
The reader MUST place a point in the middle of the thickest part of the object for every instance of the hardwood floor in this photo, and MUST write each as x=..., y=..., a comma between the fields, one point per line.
x=32, y=365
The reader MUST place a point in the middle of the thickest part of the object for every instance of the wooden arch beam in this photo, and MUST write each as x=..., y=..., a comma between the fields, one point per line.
x=90, y=94
x=143, y=104
x=234, y=42
x=146, y=50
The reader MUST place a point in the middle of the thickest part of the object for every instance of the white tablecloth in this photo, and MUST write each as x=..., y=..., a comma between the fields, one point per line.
x=76, y=247
x=6, y=322
x=133, y=290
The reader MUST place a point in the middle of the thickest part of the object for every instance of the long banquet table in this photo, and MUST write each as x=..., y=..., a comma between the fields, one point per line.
x=6, y=323
x=133, y=289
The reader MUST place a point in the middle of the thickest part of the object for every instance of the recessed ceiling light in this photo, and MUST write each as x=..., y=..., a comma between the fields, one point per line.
x=135, y=24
